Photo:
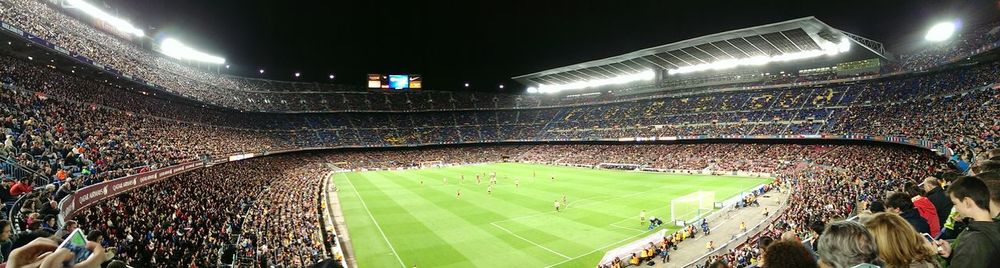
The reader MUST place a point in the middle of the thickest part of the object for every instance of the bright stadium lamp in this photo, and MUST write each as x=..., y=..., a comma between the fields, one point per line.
x=501, y=86
x=99, y=14
x=332, y=76
x=466, y=84
x=261, y=71
x=622, y=79
x=532, y=90
x=941, y=31
x=175, y=49
x=297, y=74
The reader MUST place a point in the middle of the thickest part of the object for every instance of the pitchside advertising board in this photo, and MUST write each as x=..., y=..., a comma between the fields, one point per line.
x=95, y=193
x=395, y=81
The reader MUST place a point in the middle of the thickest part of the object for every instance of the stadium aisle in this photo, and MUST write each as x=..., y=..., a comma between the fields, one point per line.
x=723, y=229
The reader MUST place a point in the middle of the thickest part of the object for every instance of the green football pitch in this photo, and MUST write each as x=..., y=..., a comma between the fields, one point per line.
x=395, y=220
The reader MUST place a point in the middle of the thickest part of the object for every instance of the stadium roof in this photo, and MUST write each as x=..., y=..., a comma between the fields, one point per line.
x=782, y=38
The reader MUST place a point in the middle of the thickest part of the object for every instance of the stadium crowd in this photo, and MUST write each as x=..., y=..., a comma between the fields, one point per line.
x=78, y=130
x=271, y=201
x=127, y=57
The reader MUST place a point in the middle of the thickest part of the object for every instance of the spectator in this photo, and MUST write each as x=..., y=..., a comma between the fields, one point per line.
x=924, y=207
x=790, y=254
x=762, y=244
x=847, y=244
x=67, y=229
x=5, y=191
x=22, y=187
x=900, y=204
x=899, y=246
x=934, y=192
x=979, y=245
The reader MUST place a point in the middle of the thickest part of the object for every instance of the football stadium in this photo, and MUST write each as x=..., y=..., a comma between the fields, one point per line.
x=155, y=133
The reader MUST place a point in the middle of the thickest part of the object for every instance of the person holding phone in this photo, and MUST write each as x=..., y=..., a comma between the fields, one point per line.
x=898, y=244
x=45, y=253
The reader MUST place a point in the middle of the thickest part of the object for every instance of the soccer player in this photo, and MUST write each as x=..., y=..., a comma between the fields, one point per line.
x=564, y=200
x=478, y=181
x=517, y=183
x=553, y=178
x=642, y=217
x=489, y=190
x=445, y=180
x=557, y=205
x=458, y=194
x=421, y=182
x=463, y=179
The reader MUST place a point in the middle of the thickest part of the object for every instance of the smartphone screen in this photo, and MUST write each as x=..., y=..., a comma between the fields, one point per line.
x=77, y=243
x=928, y=237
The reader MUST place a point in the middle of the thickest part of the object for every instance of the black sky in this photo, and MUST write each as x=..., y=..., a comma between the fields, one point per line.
x=485, y=43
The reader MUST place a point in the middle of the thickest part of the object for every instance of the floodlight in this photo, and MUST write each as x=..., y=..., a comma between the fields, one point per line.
x=826, y=48
x=261, y=71
x=297, y=74
x=532, y=90
x=622, y=79
x=331, y=76
x=466, y=84
x=501, y=86
x=227, y=66
x=941, y=31
x=95, y=12
x=175, y=49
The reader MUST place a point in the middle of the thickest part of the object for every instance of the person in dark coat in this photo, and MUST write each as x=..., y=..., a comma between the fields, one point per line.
x=900, y=203
x=934, y=192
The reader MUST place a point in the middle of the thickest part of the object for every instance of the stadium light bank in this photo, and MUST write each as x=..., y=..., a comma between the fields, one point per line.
x=95, y=12
x=941, y=31
x=827, y=48
x=175, y=49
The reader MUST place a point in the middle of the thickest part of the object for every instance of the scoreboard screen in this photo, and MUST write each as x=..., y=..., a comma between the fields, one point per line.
x=395, y=81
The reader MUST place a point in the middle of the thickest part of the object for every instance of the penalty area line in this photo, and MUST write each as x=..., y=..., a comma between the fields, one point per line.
x=529, y=241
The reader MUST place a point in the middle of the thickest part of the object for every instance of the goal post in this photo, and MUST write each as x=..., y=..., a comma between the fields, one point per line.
x=691, y=207
x=427, y=164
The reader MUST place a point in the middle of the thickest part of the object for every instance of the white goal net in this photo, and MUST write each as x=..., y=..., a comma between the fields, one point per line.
x=690, y=208
x=427, y=164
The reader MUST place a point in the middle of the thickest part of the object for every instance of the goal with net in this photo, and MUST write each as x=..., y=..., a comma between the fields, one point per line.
x=691, y=207
x=427, y=164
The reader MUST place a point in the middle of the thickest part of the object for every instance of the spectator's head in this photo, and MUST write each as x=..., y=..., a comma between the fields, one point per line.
x=718, y=264
x=817, y=227
x=762, y=244
x=95, y=236
x=787, y=253
x=930, y=183
x=985, y=166
x=970, y=196
x=120, y=264
x=5, y=229
x=71, y=226
x=992, y=180
x=877, y=206
x=790, y=236
x=898, y=203
x=50, y=220
x=845, y=244
x=898, y=244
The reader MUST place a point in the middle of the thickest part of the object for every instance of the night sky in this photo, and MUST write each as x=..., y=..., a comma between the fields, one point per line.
x=486, y=43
